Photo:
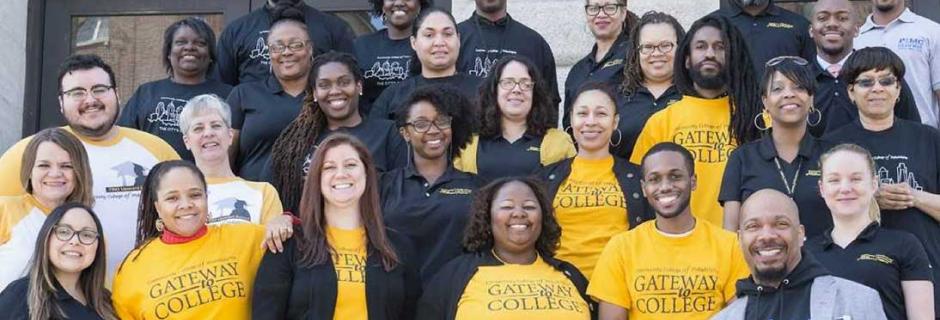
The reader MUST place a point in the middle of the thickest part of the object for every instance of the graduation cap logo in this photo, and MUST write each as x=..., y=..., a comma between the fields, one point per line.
x=235, y=207
x=136, y=172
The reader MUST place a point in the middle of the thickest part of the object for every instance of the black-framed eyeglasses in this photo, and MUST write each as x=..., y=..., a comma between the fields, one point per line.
x=869, y=83
x=509, y=84
x=65, y=233
x=279, y=48
x=609, y=9
x=422, y=126
x=662, y=47
x=778, y=60
x=79, y=94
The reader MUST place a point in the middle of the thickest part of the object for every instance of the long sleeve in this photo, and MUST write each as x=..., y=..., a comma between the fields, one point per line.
x=273, y=283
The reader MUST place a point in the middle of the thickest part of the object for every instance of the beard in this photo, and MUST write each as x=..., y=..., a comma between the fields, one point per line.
x=885, y=7
x=491, y=6
x=675, y=213
x=708, y=82
x=772, y=274
x=94, y=132
x=753, y=3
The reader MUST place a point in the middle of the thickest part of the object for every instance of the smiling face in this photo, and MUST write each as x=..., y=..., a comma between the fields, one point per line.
x=208, y=137
x=593, y=119
x=706, y=58
x=290, y=64
x=787, y=102
x=833, y=26
x=430, y=145
x=342, y=177
x=770, y=235
x=337, y=92
x=181, y=202
x=71, y=256
x=91, y=116
x=400, y=13
x=605, y=26
x=667, y=184
x=52, y=178
x=516, y=218
x=876, y=102
x=847, y=185
x=514, y=103
x=189, y=53
x=656, y=65
x=437, y=43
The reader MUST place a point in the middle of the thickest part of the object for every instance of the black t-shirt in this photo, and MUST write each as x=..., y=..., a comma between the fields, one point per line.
x=155, y=108
x=906, y=152
x=753, y=167
x=634, y=110
x=483, y=42
x=878, y=258
x=383, y=62
x=497, y=157
x=260, y=110
x=15, y=304
x=243, y=51
x=432, y=215
x=392, y=99
x=772, y=33
x=608, y=70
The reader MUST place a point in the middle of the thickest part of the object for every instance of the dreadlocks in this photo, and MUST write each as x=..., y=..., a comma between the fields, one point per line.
x=632, y=73
x=297, y=141
x=738, y=74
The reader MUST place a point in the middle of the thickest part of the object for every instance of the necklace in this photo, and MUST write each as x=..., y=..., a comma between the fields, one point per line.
x=796, y=175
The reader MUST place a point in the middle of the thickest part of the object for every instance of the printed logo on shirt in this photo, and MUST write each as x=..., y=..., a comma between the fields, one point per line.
x=196, y=286
x=389, y=69
x=230, y=210
x=779, y=25
x=611, y=63
x=532, y=295
x=584, y=194
x=132, y=175
x=350, y=267
x=534, y=149
x=890, y=173
x=167, y=113
x=915, y=44
x=672, y=290
x=671, y=101
x=261, y=48
x=708, y=143
x=876, y=258
x=813, y=173
x=455, y=191
x=483, y=62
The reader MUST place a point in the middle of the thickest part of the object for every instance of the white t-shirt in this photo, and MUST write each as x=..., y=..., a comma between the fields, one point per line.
x=234, y=200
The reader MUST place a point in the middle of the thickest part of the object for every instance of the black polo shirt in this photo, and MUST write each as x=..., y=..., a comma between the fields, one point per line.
x=634, y=110
x=15, y=305
x=497, y=157
x=751, y=167
x=878, y=258
x=772, y=33
x=243, y=51
x=393, y=98
x=608, y=70
x=155, y=108
x=832, y=100
x=483, y=42
x=260, y=110
x=432, y=215
x=907, y=152
x=383, y=62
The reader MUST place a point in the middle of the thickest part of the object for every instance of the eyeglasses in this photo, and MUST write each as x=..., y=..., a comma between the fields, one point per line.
x=65, y=233
x=279, y=48
x=869, y=83
x=79, y=94
x=609, y=9
x=509, y=84
x=422, y=126
x=662, y=47
x=778, y=60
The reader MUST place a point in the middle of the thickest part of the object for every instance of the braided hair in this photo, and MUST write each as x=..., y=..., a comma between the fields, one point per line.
x=297, y=139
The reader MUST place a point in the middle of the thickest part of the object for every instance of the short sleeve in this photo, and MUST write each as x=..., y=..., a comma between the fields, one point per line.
x=271, y=207
x=739, y=270
x=609, y=282
x=731, y=181
x=159, y=148
x=234, y=101
x=649, y=136
x=10, y=164
x=912, y=259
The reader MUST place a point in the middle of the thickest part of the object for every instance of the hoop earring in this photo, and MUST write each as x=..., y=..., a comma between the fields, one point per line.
x=759, y=116
x=159, y=225
x=571, y=134
x=619, y=138
x=818, y=119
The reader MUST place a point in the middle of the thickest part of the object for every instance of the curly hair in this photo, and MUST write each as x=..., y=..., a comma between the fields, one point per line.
x=632, y=73
x=540, y=118
x=478, y=236
x=378, y=4
x=201, y=28
x=449, y=101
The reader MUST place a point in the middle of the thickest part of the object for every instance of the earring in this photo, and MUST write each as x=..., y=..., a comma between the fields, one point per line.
x=759, y=117
x=159, y=225
x=619, y=138
x=818, y=118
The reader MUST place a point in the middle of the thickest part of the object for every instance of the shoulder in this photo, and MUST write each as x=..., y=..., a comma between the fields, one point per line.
x=218, y=87
x=529, y=32
x=367, y=40
x=323, y=18
x=791, y=16
x=554, y=135
x=723, y=236
x=845, y=286
x=239, y=24
x=240, y=230
x=900, y=240
x=549, y=172
x=14, y=291
x=152, y=143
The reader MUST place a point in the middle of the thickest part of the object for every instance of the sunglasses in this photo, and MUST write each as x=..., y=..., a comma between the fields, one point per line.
x=781, y=59
x=869, y=83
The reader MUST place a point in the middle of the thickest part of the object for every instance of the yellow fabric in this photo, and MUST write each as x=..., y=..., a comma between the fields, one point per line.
x=701, y=126
x=466, y=161
x=13, y=209
x=521, y=292
x=556, y=146
x=207, y=278
x=261, y=201
x=21, y=217
x=349, y=260
x=590, y=209
x=655, y=276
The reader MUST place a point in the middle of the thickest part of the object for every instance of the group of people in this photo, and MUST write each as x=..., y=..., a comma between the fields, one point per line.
x=758, y=165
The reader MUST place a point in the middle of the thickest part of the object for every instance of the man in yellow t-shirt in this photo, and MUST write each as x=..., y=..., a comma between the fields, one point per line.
x=674, y=267
x=717, y=111
x=120, y=158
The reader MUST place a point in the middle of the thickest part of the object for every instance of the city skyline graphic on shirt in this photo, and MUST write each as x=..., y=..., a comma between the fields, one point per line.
x=902, y=174
x=167, y=113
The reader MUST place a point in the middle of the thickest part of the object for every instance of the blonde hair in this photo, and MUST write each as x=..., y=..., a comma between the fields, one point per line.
x=874, y=212
x=68, y=142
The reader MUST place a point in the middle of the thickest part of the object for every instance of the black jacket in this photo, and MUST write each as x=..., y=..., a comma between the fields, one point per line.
x=791, y=300
x=628, y=175
x=14, y=303
x=284, y=290
x=443, y=292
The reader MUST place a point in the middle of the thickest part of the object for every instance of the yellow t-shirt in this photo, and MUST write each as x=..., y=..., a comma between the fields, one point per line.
x=207, y=278
x=21, y=217
x=701, y=126
x=521, y=292
x=590, y=209
x=234, y=200
x=349, y=260
x=657, y=276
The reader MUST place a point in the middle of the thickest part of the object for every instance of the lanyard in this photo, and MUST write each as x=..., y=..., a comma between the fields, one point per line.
x=796, y=175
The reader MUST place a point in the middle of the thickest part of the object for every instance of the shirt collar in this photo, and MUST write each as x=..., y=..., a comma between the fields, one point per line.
x=768, y=151
x=771, y=9
x=272, y=85
x=867, y=234
x=906, y=16
x=500, y=23
x=824, y=65
x=411, y=172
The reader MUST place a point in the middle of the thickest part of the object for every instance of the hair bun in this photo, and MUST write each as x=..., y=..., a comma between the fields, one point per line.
x=284, y=10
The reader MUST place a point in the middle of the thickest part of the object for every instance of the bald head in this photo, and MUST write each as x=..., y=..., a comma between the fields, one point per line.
x=769, y=201
x=771, y=235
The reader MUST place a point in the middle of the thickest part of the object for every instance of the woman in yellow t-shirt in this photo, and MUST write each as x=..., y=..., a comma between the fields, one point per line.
x=343, y=263
x=55, y=171
x=595, y=194
x=181, y=268
x=510, y=271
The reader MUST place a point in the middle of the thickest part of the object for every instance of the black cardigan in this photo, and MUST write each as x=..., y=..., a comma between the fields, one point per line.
x=443, y=292
x=628, y=176
x=284, y=290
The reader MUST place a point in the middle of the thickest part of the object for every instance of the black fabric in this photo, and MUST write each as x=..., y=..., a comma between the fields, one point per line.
x=285, y=290
x=634, y=111
x=752, y=167
x=483, y=42
x=442, y=294
x=155, y=108
x=497, y=157
x=608, y=70
x=772, y=33
x=432, y=215
x=878, y=258
x=907, y=152
x=383, y=62
x=391, y=100
x=243, y=52
x=14, y=303
x=628, y=176
x=260, y=110
x=789, y=301
x=832, y=100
